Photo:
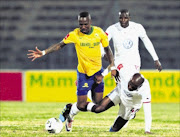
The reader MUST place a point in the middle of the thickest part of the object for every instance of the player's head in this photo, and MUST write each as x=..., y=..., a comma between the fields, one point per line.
x=84, y=19
x=124, y=17
x=135, y=82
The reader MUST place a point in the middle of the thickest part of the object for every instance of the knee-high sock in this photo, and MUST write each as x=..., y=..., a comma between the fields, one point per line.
x=118, y=124
x=125, y=126
x=74, y=110
x=147, y=116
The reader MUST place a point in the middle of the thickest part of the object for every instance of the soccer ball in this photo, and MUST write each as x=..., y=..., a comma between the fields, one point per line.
x=54, y=125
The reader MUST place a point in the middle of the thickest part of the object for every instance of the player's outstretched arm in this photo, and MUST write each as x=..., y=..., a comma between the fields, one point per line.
x=34, y=54
x=158, y=65
x=111, y=60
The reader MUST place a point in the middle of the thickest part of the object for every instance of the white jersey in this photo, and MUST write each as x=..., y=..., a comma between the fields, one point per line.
x=134, y=98
x=126, y=40
x=130, y=101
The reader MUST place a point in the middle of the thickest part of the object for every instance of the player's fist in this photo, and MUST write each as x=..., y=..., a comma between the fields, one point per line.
x=117, y=77
x=158, y=65
x=113, y=73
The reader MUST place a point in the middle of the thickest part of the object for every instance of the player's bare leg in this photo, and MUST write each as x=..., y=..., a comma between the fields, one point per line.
x=98, y=97
x=104, y=104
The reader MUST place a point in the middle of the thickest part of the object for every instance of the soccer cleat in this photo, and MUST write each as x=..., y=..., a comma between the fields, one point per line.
x=111, y=130
x=65, y=113
x=134, y=116
x=68, y=124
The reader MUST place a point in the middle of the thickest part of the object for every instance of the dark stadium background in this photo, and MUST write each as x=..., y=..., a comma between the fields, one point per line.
x=25, y=24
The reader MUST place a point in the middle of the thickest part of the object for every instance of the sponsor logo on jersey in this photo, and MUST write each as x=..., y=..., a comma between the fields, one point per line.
x=127, y=43
x=85, y=44
x=90, y=45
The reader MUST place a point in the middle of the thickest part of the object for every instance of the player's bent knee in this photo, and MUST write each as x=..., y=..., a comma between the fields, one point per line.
x=82, y=107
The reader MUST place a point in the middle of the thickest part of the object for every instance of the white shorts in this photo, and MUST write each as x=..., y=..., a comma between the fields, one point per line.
x=126, y=113
x=115, y=96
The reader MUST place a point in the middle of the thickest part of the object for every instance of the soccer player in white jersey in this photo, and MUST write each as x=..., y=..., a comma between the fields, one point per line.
x=125, y=35
x=129, y=95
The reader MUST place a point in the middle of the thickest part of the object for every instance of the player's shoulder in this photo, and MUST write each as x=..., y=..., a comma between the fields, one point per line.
x=96, y=28
x=116, y=25
x=146, y=81
x=135, y=24
x=113, y=26
x=76, y=30
x=145, y=84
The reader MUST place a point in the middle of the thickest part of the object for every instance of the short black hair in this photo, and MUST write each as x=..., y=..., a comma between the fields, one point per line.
x=138, y=78
x=84, y=14
x=124, y=11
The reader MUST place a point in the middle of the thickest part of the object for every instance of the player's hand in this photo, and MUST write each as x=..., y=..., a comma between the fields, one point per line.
x=34, y=54
x=113, y=73
x=98, y=78
x=117, y=77
x=158, y=65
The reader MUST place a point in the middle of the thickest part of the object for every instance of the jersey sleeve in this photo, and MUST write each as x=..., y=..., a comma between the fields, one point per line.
x=104, y=38
x=109, y=32
x=146, y=96
x=141, y=31
x=70, y=38
x=147, y=42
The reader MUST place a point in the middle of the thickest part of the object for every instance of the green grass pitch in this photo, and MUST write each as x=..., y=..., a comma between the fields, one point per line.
x=21, y=119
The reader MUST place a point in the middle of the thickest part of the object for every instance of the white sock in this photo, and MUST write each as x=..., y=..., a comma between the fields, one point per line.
x=147, y=116
x=89, y=106
x=74, y=110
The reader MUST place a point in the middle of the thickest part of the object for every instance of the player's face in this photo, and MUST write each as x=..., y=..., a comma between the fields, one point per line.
x=132, y=86
x=124, y=20
x=85, y=24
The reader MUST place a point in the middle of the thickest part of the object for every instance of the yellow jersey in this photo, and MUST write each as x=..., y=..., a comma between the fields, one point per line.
x=88, y=48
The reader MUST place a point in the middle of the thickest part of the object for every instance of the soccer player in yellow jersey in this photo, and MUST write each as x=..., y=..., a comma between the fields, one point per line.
x=87, y=40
